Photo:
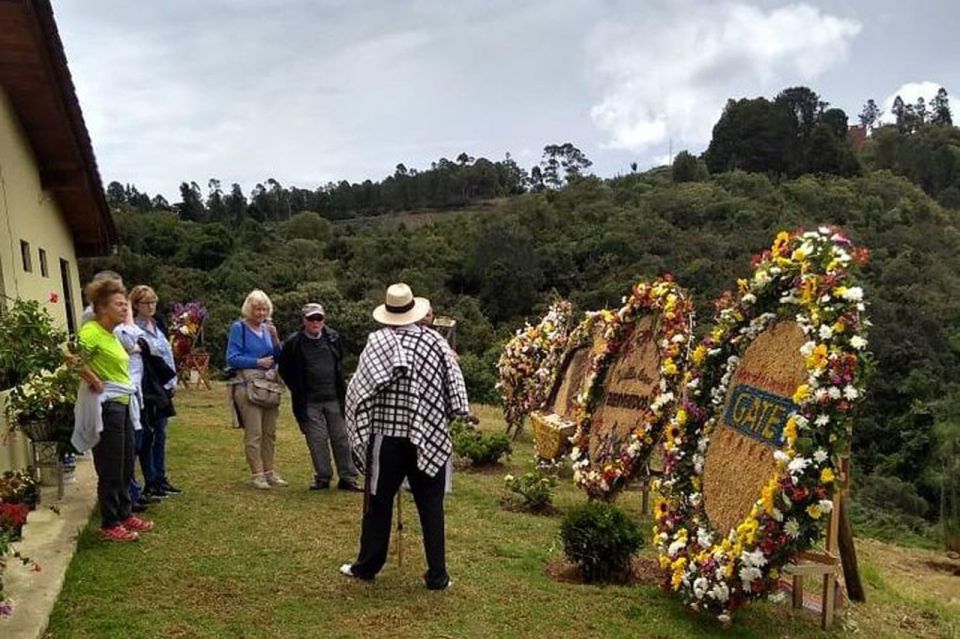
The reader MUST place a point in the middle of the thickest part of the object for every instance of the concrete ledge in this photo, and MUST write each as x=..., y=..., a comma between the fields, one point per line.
x=50, y=540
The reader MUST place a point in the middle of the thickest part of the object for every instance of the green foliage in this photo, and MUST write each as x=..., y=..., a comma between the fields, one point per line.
x=532, y=491
x=601, y=540
x=481, y=450
x=688, y=168
x=29, y=342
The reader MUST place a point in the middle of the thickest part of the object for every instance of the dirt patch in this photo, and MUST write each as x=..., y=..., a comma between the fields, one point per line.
x=949, y=567
x=643, y=571
x=924, y=572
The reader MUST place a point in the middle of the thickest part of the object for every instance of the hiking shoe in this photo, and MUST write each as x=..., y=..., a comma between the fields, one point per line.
x=137, y=525
x=275, y=480
x=169, y=488
x=156, y=492
x=118, y=533
x=259, y=481
x=349, y=486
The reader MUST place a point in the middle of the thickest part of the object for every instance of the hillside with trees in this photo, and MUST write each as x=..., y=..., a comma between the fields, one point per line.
x=502, y=241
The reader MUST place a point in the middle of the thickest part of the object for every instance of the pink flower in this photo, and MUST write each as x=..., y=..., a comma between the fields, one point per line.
x=54, y=297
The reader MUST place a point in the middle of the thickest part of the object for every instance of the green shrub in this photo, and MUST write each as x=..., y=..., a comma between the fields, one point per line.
x=600, y=539
x=480, y=449
x=533, y=491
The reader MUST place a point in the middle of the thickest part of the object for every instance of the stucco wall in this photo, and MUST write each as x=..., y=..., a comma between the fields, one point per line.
x=29, y=214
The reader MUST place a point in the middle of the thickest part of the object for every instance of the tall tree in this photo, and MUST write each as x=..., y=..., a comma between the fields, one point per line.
x=870, y=114
x=940, y=106
x=191, y=202
x=215, y=204
x=235, y=204
x=116, y=194
x=804, y=105
x=921, y=111
x=899, y=111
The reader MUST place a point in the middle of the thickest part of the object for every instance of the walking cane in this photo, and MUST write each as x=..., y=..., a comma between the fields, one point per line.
x=400, y=528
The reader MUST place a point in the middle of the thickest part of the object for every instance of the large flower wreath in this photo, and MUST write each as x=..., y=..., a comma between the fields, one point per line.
x=529, y=362
x=804, y=277
x=673, y=313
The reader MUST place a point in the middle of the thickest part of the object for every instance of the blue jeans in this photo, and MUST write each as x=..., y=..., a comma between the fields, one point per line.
x=159, y=449
x=134, y=488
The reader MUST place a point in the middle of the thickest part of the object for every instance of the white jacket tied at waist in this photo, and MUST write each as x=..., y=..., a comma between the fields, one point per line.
x=88, y=412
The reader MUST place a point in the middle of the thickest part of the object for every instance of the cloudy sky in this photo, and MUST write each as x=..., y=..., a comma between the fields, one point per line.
x=311, y=91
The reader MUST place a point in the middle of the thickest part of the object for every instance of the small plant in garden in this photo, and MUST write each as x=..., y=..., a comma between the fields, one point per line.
x=29, y=341
x=18, y=487
x=480, y=449
x=12, y=519
x=531, y=491
x=600, y=539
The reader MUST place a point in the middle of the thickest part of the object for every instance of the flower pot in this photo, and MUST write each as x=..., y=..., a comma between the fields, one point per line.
x=39, y=431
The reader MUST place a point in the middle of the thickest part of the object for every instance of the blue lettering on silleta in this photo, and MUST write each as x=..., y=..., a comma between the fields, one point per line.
x=758, y=414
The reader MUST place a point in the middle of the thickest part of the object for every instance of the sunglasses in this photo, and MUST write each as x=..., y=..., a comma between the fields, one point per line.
x=315, y=318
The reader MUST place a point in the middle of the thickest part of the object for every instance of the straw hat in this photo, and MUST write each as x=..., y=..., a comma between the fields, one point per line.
x=401, y=307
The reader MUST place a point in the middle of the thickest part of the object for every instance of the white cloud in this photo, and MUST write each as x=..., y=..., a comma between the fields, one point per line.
x=909, y=93
x=668, y=71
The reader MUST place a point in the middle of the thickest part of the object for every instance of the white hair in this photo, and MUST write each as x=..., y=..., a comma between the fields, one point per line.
x=256, y=298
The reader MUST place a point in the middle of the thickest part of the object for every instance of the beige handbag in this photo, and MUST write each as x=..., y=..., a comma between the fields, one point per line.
x=263, y=387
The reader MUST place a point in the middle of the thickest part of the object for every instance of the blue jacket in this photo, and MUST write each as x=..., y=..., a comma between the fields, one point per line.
x=244, y=347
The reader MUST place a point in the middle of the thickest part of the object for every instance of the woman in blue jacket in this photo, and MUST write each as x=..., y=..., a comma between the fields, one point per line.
x=253, y=349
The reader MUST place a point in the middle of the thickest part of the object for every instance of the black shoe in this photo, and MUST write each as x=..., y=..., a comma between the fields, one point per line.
x=349, y=486
x=320, y=485
x=156, y=491
x=146, y=499
x=138, y=507
x=169, y=488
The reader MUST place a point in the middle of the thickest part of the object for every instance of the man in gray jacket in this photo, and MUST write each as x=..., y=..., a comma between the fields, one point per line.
x=311, y=365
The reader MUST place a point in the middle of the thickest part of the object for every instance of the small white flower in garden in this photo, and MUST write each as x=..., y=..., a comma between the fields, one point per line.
x=853, y=294
x=858, y=342
x=778, y=596
x=822, y=420
x=777, y=515
x=850, y=393
x=748, y=575
x=676, y=547
x=781, y=456
x=834, y=392
x=754, y=558
x=792, y=528
x=826, y=332
x=721, y=592
x=807, y=349
x=749, y=298
x=826, y=505
x=820, y=455
x=700, y=587
x=694, y=499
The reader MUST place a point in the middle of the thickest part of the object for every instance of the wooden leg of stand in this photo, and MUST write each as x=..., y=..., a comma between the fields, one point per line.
x=797, y=591
x=829, y=600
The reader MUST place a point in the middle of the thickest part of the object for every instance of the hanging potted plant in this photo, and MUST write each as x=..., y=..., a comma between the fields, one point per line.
x=42, y=406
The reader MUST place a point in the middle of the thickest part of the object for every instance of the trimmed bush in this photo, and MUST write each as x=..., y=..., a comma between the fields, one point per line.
x=600, y=539
x=480, y=449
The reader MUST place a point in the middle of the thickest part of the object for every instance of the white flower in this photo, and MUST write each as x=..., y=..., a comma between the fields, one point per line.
x=748, y=575
x=704, y=538
x=700, y=587
x=792, y=528
x=826, y=332
x=694, y=499
x=781, y=456
x=798, y=464
x=508, y=478
x=676, y=547
x=749, y=298
x=778, y=596
x=721, y=592
x=858, y=342
x=807, y=349
x=754, y=558
x=777, y=515
x=853, y=294
x=822, y=420
x=833, y=392
x=826, y=505
x=724, y=618
x=820, y=455
x=850, y=393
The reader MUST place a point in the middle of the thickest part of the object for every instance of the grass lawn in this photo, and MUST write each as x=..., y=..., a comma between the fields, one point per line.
x=230, y=561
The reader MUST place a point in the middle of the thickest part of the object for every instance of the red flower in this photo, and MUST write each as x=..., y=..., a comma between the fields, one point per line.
x=54, y=297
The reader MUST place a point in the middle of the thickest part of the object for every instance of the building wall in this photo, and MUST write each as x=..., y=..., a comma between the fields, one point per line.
x=28, y=214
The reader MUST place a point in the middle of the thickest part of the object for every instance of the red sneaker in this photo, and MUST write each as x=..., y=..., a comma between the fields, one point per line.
x=118, y=533
x=136, y=524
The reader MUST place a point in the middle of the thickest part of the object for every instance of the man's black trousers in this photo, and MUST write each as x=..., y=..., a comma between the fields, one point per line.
x=391, y=460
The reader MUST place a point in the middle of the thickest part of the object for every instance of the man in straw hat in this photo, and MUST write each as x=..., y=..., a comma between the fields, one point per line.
x=406, y=390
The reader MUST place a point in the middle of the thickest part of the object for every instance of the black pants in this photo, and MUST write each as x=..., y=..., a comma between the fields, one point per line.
x=392, y=460
x=113, y=458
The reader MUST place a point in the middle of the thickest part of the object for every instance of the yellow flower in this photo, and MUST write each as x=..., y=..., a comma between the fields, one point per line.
x=699, y=353
x=664, y=562
x=768, y=494
x=695, y=482
x=681, y=416
x=818, y=358
x=803, y=392
x=780, y=244
x=839, y=326
x=790, y=430
x=814, y=511
x=669, y=367
x=827, y=476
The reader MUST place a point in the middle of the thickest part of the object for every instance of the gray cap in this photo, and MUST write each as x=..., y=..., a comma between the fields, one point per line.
x=312, y=308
